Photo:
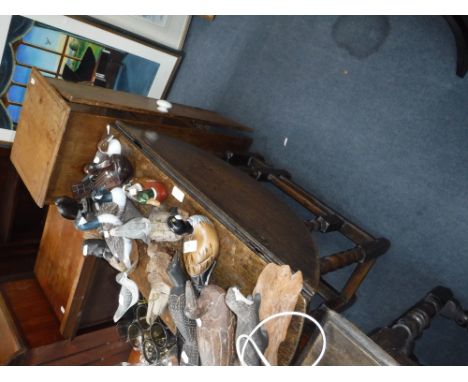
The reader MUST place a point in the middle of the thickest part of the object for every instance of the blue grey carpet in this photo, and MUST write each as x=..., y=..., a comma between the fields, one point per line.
x=377, y=126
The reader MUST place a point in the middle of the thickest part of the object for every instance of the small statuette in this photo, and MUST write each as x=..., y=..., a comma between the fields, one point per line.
x=115, y=195
x=176, y=305
x=159, y=280
x=153, y=228
x=97, y=248
x=128, y=295
x=201, y=248
x=146, y=191
x=113, y=172
x=246, y=309
x=279, y=290
x=67, y=207
x=215, y=324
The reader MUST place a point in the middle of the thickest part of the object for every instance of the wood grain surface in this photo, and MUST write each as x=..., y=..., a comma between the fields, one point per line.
x=279, y=290
x=98, y=96
x=12, y=341
x=237, y=264
x=39, y=136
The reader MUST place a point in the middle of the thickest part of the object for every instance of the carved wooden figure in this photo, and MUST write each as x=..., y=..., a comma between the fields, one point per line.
x=154, y=228
x=279, y=291
x=247, y=309
x=201, y=248
x=159, y=281
x=185, y=326
x=215, y=324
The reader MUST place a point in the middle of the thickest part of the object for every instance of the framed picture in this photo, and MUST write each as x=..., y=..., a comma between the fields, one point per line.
x=166, y=30
x=69, y=49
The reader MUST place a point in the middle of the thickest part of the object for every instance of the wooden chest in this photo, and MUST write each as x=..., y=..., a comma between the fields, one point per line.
x=254, y=227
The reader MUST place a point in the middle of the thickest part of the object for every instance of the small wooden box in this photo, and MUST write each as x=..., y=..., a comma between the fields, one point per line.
x=60, y=119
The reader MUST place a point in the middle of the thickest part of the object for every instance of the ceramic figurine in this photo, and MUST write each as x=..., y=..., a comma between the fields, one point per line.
x=83, y=212
x=215, y=324
x=159, y=281
x=121, y=247
x=97, y=248
x=246, y=309
x=111, y=173
x=107, y=147
x=201, y=248
x=153, y=228
x=176, y=305
x=67, y=207
x=128, y=295
x=146, y=191
x=279, y=290
x=115, y=195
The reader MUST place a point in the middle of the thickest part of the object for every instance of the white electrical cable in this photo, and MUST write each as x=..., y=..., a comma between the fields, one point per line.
x=248, y=338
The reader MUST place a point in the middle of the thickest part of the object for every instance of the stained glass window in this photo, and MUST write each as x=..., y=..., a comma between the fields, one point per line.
x=16, y=94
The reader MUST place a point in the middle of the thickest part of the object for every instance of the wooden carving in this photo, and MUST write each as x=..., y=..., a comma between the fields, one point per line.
x=247, y=309
x=279, y=291
x=159, y=281
x=153, y=228
x=201, y=248
x=185, y=326
x=215, y=324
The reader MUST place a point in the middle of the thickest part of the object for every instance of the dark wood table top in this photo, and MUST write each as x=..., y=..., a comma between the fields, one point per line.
x=246, y=207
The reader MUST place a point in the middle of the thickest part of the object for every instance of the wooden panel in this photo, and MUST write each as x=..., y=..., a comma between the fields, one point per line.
x=101, y=347
x=83, y=132
x=102, y=298
x=244, y=205
x=60, y=265
x=17, y=260
x=83, y=287
x=237, y=264
x=31, y=311
x=12, y=342
x=39, y=135
x=107, y=98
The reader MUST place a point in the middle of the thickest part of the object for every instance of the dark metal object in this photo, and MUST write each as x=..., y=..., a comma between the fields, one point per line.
x=399, y=338
x=325, y=224
x=367, y=249
x=154, y=341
